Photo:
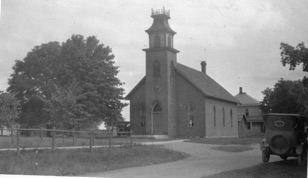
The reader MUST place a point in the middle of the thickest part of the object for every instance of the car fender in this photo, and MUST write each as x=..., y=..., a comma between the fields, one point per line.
x=264, y=146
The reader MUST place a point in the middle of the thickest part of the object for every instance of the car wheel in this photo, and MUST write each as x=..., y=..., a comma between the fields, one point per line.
x=301, y=159
x=284, y=157
x=120, y=132
x=265, y=156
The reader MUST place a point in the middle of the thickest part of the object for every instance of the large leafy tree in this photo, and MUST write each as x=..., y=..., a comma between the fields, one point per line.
x=44, y=79
x=284, y=97
x=63, y=109
x=295, y=56
x=8, y=109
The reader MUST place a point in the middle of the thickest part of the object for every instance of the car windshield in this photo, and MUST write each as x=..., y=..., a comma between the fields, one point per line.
x=284, y=123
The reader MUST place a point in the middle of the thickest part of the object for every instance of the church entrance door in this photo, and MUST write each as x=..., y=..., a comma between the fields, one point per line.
x=156, y=119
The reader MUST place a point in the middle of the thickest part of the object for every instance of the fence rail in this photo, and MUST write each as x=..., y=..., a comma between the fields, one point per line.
x=74, y=134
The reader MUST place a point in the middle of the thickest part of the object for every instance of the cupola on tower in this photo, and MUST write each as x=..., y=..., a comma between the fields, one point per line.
x=160, y=33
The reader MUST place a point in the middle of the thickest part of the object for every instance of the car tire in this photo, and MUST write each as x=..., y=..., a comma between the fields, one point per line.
x=301, y=159
x=281, y=151
x=284, y=157
x=120, y=132
x=265, y=156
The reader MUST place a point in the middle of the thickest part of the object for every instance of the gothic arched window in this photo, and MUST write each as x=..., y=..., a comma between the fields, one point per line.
x=231, y=116
x=157, y=108
x=223, y=117
x=169, y=41
x=156, y=69
x=214, y=111
x=172, y=69
x=142, y=115
x=157, y=41
x=190, y=114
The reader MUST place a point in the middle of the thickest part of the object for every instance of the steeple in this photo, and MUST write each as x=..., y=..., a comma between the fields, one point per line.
x=160, y=33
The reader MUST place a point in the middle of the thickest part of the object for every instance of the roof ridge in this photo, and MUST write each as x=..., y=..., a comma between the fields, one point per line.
x=205, y=83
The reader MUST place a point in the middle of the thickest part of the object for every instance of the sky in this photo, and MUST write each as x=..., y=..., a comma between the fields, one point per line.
x=238, y=39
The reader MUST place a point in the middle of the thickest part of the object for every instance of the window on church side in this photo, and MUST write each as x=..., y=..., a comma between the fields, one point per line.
x=231, y=116
x=142, y=115
x=156, y=69
x=214, y=111
x=223, y=117
x=172, y=69
x=190, y=113
x=157, y=108
x=157, y=41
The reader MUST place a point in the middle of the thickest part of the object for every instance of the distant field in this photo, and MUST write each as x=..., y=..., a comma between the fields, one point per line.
x=226, y=141
x=81, y=161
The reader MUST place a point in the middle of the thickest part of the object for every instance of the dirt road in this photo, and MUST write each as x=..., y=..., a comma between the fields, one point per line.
x=203, y=161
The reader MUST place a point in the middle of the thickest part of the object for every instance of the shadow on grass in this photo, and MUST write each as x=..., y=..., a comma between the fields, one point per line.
x=229, y=148
x=281, y=169
x=226, y=141
x=81, y=161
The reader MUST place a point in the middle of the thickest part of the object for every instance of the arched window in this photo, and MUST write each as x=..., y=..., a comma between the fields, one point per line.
x=223, y=117
x=172, y=69
x=231, y=116
x=142, y=115
x=157, y=41
x=157, y=108
x=190, y=114
x=214, y=113
x=156, y=69
x=169, y=41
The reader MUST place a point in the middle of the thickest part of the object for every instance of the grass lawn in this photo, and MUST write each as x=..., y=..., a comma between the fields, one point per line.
x=226, y=141
x=231, y=148
x=34, y=142
x=281, y=169
x=81, y=161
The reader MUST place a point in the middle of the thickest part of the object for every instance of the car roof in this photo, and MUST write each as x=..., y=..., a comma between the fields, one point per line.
x=299, y=116
x=283, y=114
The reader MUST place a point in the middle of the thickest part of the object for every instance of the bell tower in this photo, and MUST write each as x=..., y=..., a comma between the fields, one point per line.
x=160, y=61
x=160, y=33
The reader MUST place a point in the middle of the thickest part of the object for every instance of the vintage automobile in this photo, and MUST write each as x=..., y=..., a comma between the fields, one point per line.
x=123, y=128
x=285, y=136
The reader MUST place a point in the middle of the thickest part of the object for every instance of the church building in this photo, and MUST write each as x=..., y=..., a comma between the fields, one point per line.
x=175, y=100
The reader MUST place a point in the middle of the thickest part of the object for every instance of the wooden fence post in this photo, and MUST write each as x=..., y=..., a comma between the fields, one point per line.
x=41, y=133
x=12, y=139
x=93, y=138
x=53, y=139
x=18, y=143
x=109, y=143
x=131, y=138
x=74, y=136
x=90, y=141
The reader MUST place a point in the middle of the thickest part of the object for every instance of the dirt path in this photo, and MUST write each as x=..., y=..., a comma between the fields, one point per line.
x=203, y=161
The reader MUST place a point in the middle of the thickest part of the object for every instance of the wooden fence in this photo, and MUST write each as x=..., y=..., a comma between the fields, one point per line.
x=16, y=132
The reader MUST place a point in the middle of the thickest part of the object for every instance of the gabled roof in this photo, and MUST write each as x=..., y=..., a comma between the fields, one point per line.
x=204, y=83
x=135, y=88
x=245, y=99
